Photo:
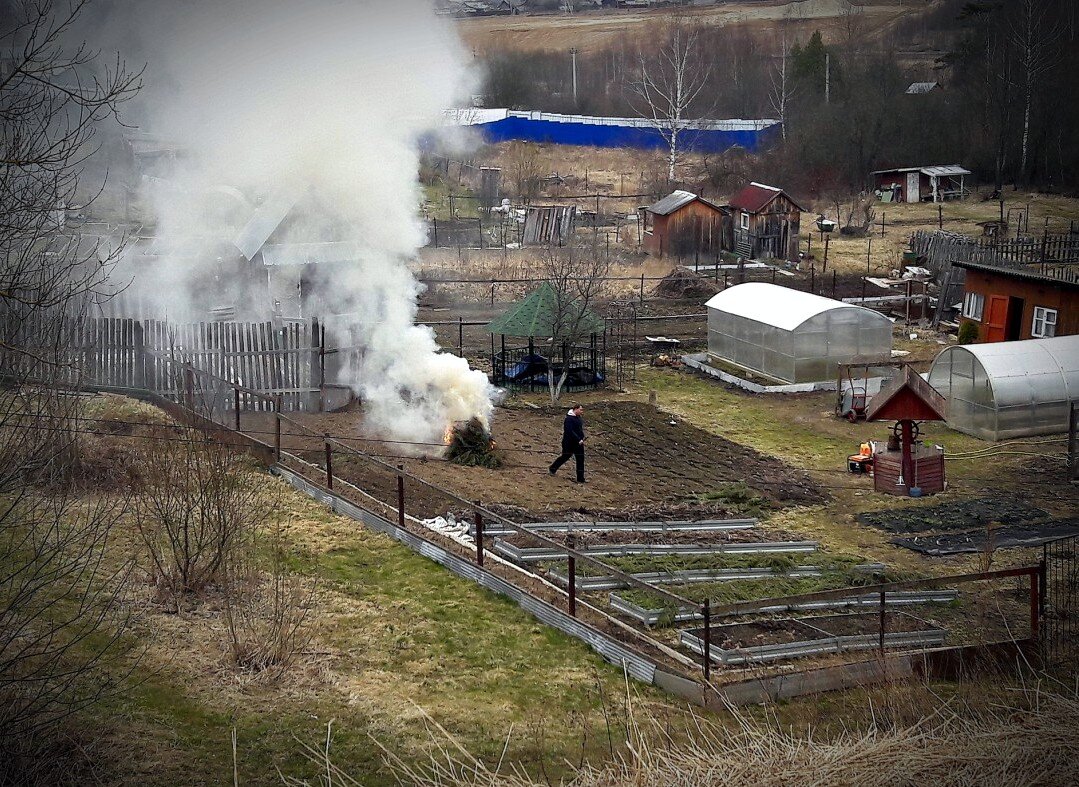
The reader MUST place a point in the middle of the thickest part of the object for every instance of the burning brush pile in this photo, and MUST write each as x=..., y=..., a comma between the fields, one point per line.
x=469, y=443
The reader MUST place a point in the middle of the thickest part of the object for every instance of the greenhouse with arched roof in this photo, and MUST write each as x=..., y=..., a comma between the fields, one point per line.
x=1002, y=390
x=793, y=336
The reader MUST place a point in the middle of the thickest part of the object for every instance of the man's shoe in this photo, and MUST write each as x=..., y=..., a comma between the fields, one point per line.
x=550, y=473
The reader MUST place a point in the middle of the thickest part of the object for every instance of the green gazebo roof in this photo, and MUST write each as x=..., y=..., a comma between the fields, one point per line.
x=534, y=316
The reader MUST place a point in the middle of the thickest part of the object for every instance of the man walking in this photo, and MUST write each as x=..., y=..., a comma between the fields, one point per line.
x=572, y=442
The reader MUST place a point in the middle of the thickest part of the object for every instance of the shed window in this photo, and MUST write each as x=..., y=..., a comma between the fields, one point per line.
x=744, y=218
x=973, y=303
x=1045, y=322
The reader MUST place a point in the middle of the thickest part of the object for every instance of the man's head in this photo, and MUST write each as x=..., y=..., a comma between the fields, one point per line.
x=577, y=409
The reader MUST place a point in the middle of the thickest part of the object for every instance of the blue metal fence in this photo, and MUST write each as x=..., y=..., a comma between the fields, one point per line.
x=711, y=136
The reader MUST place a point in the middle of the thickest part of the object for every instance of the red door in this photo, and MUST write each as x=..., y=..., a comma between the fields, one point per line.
x=996, y=318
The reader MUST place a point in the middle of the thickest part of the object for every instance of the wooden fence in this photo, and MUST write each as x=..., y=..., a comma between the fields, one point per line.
x=1055, y=255
x=278, y=359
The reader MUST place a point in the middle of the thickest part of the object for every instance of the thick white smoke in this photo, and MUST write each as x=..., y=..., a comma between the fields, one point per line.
x=323, y=99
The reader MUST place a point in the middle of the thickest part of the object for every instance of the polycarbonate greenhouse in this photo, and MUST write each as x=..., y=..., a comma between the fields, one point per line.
x=1009, y=389
x=793, y=336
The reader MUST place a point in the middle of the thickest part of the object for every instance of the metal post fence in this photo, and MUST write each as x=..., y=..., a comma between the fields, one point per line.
x=572, y=570
x=329, y=464
x=401, y=496
x=706, y=613
x=479, y=535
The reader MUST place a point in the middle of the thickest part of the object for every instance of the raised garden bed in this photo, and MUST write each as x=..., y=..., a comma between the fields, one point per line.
x=773, y=640
x=683, y=577
x=710, y=525
x=531, y=555
x=653, y=617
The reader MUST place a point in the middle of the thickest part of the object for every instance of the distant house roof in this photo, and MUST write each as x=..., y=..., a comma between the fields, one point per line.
x=535, y=316
x=1023, y=274
x=310, y=253
x=943, y=170
x=757, y=196
x=921, y=87
x=675, y=200
x=263, y=222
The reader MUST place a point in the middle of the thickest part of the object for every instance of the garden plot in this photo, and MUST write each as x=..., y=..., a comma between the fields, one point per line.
x=786, y=638
x=642, y=464
x=977, y=541
x=967, y=526
x=958, y=515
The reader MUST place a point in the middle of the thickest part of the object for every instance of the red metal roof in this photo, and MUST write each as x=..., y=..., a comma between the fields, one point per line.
x=756, y=197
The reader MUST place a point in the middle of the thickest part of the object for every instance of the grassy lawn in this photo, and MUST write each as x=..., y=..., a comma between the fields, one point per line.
x=397, y=639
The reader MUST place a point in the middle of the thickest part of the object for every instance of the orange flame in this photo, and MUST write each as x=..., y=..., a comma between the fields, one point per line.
x=447, y=436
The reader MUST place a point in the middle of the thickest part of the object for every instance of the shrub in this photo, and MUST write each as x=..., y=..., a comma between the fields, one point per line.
x=968, y=332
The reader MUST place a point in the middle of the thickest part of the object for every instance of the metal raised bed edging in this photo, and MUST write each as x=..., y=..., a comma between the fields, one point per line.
x=612, y=651
x=617, y=550
x=691, y=576
x=827, y=644
x=651, y=617
x=488, y=515
x=707, y=526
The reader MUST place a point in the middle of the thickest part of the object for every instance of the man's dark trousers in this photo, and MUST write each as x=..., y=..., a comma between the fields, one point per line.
x=575, y=450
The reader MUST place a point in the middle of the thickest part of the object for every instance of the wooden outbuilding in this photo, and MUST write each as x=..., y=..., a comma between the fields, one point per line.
x=683, y=224
x=765, y=223
x=921, y=184
x=1013, y=303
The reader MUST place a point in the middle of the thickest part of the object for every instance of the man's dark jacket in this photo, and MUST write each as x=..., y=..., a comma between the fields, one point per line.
x=572, y=432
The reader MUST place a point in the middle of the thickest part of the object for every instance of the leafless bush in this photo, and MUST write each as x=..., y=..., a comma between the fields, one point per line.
x=196, y=511
x=267, y=614
x=524, y=166
x=61, y=620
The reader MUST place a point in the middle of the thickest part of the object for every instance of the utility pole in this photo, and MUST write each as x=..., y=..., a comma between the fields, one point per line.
x=573, y=54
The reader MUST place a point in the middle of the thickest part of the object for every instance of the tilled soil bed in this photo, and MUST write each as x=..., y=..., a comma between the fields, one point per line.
x=959, y=515
x=638, y=463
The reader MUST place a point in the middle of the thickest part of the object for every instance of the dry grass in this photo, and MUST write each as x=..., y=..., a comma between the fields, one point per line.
x=591, y=32
x=1032, y=737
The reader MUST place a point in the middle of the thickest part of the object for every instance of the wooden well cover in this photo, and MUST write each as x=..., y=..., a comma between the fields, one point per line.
x=907, y=398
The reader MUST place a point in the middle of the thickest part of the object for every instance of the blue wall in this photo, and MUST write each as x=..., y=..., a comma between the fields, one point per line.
x=610, y=136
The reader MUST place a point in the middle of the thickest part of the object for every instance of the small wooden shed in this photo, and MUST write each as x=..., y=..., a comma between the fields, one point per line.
x=766, y=222
x=682, y=224
x=921, y=184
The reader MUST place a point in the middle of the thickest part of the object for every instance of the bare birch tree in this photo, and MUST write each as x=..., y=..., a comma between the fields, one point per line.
x=1032, y=35
x=782, y=88
x=576, y=277
x=668, y=85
